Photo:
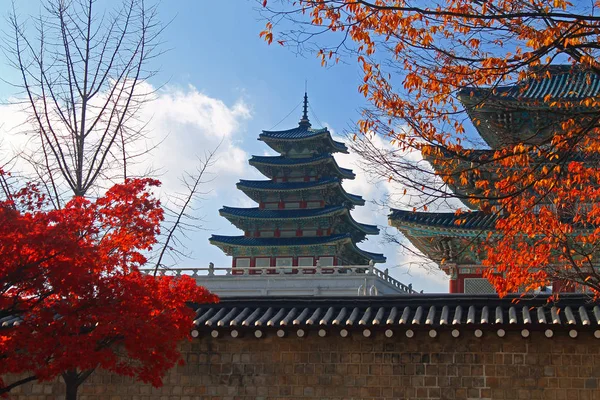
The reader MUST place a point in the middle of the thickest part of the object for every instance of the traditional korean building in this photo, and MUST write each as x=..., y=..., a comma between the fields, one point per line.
x=303, y=214
x=460, y=347
x=505, y=115
x=333, y=346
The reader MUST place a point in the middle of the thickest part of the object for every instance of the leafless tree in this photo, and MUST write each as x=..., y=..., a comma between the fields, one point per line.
x=82, y=71
x=180, y=216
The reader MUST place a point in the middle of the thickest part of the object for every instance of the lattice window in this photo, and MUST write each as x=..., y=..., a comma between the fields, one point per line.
x=325, y=261
x=263, y=262
x=242, y=262
x=478, y=286
x=306, y=261
x=283, y=261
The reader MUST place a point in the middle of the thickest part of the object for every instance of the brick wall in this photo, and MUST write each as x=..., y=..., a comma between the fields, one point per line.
x=356, y=367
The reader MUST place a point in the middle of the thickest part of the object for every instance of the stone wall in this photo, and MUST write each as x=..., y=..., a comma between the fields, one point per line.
x=356, y=367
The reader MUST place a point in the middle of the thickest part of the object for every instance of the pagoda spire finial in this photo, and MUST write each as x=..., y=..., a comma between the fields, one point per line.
x=304, y=121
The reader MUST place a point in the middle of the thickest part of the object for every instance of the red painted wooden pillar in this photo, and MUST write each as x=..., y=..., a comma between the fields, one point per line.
x=252, y=265
x=453, y=286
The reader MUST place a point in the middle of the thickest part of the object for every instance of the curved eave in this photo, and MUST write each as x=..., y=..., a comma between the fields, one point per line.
x=365, y=228
x=301, y=132
x=272, y=138
x=243, y=241
x=277, y=215
x=556, y=83
x=225, y=243
x=345, y=172
x=422, y=223
x=480, y=101
x=375, y=257
x=429, y=244
x=269, y=186
x=562, y=89
x=234, y=215
x=284, y=162
x=354, y=199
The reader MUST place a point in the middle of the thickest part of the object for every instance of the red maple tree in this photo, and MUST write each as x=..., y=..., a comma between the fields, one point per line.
x=71, y=289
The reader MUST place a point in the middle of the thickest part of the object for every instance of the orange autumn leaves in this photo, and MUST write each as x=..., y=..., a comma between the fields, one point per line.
x=71, y=278
x=416, y=56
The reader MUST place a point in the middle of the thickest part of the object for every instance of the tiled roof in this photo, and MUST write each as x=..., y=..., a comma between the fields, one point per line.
x=9, y=321
x=261, y=213
x=467, y=220
x=244, y=241
x=292, y=186
x=376, y=257
x=403, y=313
x=369, y=229
x=281, y=160
x=565, y=82
x=302, y=132
x=270, y=185
x=287, y=161
x=288, y=242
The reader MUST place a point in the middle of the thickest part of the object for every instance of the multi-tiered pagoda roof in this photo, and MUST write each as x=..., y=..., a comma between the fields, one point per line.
x=519, y=113
x=303, y=215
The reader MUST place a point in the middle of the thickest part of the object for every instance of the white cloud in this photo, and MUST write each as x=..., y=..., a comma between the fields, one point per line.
x=183, y=123
x=188, y=123
x=409, y=266
x=405, y=265
x=13, y=137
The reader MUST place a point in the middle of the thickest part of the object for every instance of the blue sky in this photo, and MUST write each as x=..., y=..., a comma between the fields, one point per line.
x=221, y=81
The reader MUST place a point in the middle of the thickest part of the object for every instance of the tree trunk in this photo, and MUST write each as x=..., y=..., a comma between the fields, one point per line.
x=71, y=393
x=73, y=379
x=72, y=382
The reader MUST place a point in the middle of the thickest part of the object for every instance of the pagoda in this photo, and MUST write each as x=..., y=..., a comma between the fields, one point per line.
x=506, y=115
x=303, y=216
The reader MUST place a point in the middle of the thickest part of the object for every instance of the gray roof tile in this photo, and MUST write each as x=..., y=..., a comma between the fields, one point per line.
x=414, y=311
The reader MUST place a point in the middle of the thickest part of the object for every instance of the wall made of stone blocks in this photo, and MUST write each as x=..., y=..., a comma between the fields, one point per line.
x=356, y=367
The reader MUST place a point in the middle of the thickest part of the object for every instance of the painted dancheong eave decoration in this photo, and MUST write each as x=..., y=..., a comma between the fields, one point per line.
x=518, y=113
x=303, y=215
x=444, y=237
x=275, y=167
x=502, y=116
